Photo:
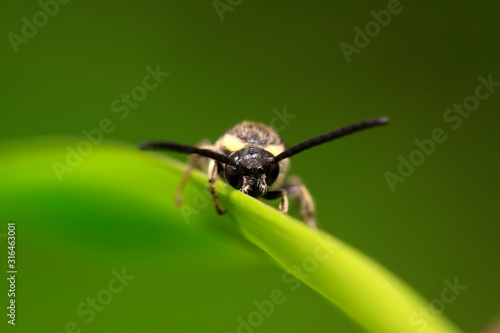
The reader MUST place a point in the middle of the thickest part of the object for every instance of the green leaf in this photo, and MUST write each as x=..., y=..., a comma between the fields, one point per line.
x=73, y=186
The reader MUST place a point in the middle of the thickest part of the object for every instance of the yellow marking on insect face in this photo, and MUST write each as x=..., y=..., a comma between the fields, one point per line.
x=275, y=149
x=232, y=143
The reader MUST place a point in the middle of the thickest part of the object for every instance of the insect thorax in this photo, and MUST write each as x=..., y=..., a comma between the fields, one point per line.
x=250, y=134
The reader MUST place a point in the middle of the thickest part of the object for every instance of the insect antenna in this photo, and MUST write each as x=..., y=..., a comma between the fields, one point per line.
x=163, y=145
x=338, y=133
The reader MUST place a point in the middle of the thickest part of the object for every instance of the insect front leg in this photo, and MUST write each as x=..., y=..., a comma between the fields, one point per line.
x=295, y=188
x=283, y=207
x=212, y=174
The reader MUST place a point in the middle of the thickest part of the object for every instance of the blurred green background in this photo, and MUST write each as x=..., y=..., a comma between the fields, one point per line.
x=264, y=58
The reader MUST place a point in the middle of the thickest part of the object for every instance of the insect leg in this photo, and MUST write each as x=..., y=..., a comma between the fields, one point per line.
x=283, y=207
x=296, y=189
x=192, y=161
x=212, y=174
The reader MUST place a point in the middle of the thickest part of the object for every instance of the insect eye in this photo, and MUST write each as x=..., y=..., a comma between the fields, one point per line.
x=272, y=173
x=234, y=176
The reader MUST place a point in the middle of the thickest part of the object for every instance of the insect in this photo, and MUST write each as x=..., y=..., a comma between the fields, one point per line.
x=253, y=159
